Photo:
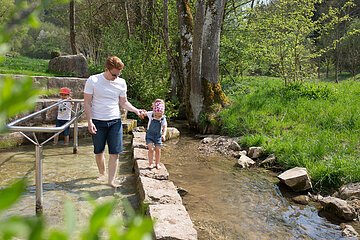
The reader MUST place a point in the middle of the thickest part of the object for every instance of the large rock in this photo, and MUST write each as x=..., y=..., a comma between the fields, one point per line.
x=172, y=133
x=255, y=152
x=296, y=178
x=75, y=64
x=339, y=208
x=245, y=162
x=351, y=190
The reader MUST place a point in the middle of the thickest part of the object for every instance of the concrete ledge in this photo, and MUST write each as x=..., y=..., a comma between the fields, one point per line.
x=153, y=191
x=139, y=154
x=142, y=170
x=172, y=222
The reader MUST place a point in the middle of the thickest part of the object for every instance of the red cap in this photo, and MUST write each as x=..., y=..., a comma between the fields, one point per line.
x=65, y=90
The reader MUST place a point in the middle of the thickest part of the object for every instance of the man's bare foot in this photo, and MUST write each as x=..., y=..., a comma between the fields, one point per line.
x=151, y=166
x=158, y=166
x=102, y=178
x=54, y=143
x=115, y=183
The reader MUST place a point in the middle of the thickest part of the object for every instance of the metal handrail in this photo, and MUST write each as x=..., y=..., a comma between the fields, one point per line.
x=11, y=126
x=38, y=146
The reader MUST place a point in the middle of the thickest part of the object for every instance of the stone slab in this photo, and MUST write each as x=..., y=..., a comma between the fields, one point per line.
x=141, y=168
x=172, y=222
x=153, y=191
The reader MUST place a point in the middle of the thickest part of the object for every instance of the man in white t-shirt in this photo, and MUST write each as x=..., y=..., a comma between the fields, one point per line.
x=104, y=94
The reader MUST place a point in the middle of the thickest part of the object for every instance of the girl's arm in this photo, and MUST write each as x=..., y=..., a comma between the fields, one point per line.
x=164, y=130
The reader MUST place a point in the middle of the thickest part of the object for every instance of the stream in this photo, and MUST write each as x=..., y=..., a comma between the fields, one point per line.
x=226, y=202
x=223, y=201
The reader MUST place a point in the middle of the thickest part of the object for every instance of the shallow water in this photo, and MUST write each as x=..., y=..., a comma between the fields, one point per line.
x=67, y=176
x=226, y=202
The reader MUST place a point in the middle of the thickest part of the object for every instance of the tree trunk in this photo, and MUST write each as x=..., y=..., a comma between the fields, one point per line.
x=185, y=22
x=72, y=27
x=174, y=76
x=206, y=96
x=196, y=97
x=127, y=18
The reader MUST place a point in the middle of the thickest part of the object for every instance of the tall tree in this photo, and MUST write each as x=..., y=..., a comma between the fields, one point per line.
x=72, y=26
x=204, y=90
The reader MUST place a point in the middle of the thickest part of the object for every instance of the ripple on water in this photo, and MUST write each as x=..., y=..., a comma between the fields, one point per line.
x=226, y=202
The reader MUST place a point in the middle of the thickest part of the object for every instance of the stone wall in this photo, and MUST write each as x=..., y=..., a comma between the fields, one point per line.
x=55, y=83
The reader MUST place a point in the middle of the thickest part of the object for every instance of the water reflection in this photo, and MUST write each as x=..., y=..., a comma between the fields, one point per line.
x=67, y=176
x=226, y=202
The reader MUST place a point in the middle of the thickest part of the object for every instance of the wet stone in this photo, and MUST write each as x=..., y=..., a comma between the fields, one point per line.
x=153, y=191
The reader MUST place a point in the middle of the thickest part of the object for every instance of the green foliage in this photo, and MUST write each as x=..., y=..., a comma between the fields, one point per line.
x=306, y=90
x=315, y=125
x=282, y=31
x=41, y=42
x=16, y=96
x=146, y=71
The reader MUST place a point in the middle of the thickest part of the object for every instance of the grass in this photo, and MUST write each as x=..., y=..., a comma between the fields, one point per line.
x=24, y=66
x=312, y=125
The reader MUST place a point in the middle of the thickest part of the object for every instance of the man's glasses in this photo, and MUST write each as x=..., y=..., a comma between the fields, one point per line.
x=63, y=94
x=115, y=75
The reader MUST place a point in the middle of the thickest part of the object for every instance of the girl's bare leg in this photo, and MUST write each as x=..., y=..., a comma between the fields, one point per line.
x=56, y=139
x=150, y=154
x=66, y=140
x=157, y=156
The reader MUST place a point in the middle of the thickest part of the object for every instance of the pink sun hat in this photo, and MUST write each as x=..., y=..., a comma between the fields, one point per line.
x=159, y=107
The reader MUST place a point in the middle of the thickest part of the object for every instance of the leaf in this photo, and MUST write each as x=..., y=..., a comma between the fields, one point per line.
x=14, y=227
x=70, y=218
x=57, y=235
x=11, y=194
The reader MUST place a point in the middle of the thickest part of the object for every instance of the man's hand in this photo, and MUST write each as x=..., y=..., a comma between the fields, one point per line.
x=91, y=127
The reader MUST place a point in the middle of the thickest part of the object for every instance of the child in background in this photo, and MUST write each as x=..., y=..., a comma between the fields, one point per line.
x=156, y=132
x=64, y=114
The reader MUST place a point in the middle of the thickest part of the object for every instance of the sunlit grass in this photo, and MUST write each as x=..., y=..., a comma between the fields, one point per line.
x=316, y=125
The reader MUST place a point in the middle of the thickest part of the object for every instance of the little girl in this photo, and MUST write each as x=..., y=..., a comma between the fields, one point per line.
x=156, y=131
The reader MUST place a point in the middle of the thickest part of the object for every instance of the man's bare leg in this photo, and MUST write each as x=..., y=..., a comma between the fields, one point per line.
x=100, y=161
x=113, y=168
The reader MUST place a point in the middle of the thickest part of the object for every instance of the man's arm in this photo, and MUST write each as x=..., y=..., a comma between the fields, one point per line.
x=124, y=103
x=87, y=108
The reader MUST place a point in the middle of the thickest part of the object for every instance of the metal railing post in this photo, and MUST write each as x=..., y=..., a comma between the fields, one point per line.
x=38, y=179
x=38, y=146
x=76, y=133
